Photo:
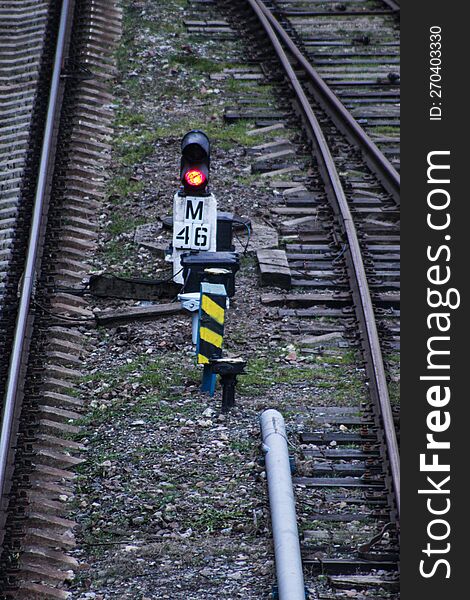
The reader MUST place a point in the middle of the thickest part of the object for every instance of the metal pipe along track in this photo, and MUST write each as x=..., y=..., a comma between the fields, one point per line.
x=289, y=573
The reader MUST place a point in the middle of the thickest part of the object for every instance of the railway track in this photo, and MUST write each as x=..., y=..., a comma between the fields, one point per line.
x=24, y=33
x=56, y=68
x=343, y=251
x=354, y=48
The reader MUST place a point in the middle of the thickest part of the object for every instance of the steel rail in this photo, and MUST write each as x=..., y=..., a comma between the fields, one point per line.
x=394, y=6
x=22, y=333
x=360, y=288
x=341, y=117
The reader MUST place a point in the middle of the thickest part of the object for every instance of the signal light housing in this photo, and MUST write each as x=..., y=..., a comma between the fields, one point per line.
x=195, y=160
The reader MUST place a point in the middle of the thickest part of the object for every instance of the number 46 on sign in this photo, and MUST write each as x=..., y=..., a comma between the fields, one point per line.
x=192, y=236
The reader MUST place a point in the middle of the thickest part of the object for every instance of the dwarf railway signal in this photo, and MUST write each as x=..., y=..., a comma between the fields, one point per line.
x=205, y=265
x=194, y=207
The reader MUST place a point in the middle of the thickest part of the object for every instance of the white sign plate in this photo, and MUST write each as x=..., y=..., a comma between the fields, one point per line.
x=194, y=227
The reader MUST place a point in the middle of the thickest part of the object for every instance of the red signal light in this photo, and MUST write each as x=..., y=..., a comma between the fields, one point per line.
x=195, y=177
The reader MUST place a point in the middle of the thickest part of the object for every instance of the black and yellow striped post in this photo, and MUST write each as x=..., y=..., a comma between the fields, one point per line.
x=211, y=330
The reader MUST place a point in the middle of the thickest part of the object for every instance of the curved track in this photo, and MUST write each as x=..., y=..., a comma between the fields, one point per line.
x=362, y=299
x=323, y=94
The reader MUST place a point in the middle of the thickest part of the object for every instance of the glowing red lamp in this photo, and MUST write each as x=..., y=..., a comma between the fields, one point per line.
x=195, y=177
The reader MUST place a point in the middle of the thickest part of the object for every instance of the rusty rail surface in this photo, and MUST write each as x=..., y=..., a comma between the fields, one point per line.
x=360, y=289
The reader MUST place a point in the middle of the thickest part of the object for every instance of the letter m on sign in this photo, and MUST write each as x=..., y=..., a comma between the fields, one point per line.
x=194, y=210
